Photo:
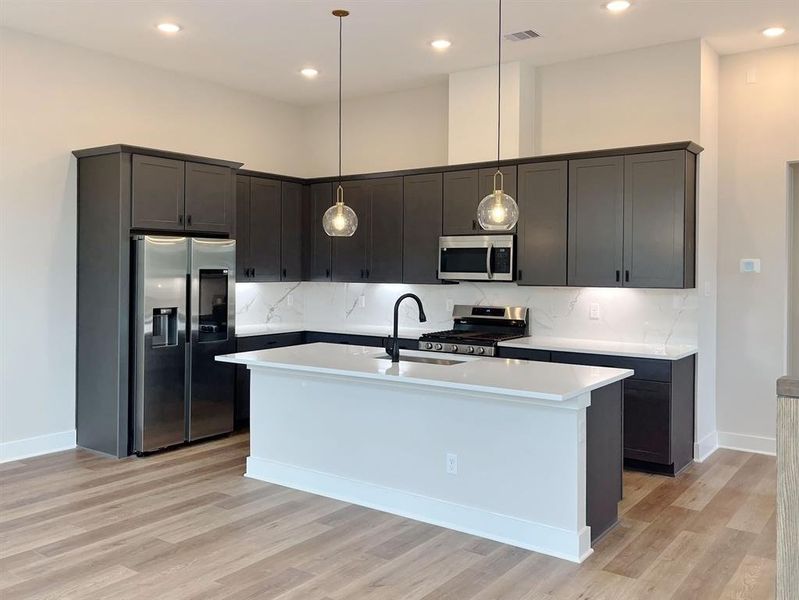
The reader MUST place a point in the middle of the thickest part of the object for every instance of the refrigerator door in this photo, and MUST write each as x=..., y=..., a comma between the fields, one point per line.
x=210, y=409
x=159, y=323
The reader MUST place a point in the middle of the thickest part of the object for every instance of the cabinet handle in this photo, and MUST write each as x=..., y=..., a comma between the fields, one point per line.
x=188, y=219
x=520, y=274
x=284, y=272
x=327, y=273
x=361, y=273
x=474, y=225
x=367, y=273
x=627, y=275
x=618, y=275
x=180, y=219
x=253, y=271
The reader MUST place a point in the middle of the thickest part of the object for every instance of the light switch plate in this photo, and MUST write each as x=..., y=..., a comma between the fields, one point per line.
x=362, y=301
x=750, y=265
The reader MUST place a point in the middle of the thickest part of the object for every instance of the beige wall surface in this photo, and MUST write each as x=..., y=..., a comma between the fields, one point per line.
x=793, y=363
x=643, y=96
x=56, y=98
x=758, y=136
x=401, y=130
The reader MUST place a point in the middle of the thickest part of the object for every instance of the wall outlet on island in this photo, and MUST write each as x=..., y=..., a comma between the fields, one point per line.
x=593, y=311
x=452, y=463
x=290, y=300
x=450, y=305
x=362, y=301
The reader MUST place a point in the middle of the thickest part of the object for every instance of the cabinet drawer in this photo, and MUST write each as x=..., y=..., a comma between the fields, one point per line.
x=524, y=354
x=647, y=421
x=648, y=369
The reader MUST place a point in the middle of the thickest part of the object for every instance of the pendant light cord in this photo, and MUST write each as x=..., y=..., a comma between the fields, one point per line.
x=499, y=80
x=340, y=24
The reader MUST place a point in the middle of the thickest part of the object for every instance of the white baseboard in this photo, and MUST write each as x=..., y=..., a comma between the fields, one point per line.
x=706, y=446
x=748, y=443
x=34, y=446
x=570, y=545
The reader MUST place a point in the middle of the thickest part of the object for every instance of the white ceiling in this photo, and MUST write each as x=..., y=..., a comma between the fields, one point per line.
x=260, y=45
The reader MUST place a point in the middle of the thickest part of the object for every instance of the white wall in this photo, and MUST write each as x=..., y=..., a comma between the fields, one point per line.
x=56, y=98
x=631, y=98
x=401, y=130
x=758, y=135
x=793, y=322
x=473, y=113
x=707, y=253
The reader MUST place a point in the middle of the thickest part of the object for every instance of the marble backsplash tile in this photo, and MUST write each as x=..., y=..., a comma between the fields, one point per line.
x=626, y=315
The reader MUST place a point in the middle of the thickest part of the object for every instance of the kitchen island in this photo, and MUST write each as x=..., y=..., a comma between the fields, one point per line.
x=526, y=453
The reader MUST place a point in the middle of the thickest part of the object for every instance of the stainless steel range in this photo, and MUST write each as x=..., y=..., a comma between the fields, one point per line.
x=477, y=330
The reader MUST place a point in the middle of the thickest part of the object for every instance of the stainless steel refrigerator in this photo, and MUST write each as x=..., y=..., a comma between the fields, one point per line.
x=183, y=316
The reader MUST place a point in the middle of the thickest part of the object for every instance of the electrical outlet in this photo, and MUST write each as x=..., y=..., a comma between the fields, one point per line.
x=750, y=265
x=593, y=311
x=290, y=300
x=452, y=463
x=362, y=301
x=450, y=305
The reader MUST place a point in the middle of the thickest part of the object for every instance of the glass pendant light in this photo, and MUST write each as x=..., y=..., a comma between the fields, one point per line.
x=498, y=211
x=339, y=220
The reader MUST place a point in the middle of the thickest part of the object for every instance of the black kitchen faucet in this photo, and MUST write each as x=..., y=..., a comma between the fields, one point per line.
x=393, y=350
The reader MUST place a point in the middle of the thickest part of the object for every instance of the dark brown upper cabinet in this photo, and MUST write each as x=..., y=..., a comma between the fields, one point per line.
x=596, y=221
x=374, y=253
x=291, y=231
x=384, y=249
x=461, y=189
x=542, y=242
x=659, y=220
x=157, y=198
x=318, y=246
x=174, y=195
x=349, y=253
x=258, y=208
x=422, y=226
x=242, y=228
x=486, y=187
x=209, y=198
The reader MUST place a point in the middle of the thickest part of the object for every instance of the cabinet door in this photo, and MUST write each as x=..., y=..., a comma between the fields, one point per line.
x=654, y=219
x=209, y=198
x=264, y=229
x=542, y=231
x=349, y=253
x=291, y=232
x=385, y=231
x=422, y=226
x=596, y=221
x=486, y=186
x=242, y=228
x=157, y=193
x=460, y=202
x=318, y=243
x=647, y=421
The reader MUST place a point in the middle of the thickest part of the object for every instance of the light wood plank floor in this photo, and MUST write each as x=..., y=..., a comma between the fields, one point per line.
x=186, y=524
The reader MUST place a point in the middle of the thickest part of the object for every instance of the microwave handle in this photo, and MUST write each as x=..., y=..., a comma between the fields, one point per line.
x=489, y=250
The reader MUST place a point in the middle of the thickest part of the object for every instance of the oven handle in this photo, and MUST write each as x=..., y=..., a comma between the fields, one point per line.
x=489, y=249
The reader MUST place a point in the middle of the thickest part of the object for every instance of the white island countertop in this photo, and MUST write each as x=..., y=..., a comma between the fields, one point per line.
x=520, y=379
x=607, y=347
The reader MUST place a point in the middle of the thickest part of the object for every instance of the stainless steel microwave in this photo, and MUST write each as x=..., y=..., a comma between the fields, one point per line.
x=476, y=257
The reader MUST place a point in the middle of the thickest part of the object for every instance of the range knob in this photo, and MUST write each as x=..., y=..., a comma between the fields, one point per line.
x=428, y=345
x=438, y=346
x=481, y=351
x=470, y=349
x=454, y=348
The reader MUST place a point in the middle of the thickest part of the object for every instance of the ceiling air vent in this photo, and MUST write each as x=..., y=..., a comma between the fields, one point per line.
x=520, y=36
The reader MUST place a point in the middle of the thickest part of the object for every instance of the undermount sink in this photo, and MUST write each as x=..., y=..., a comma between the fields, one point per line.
x=444, y=362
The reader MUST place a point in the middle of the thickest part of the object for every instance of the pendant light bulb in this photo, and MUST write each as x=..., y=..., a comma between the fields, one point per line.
x=498, y=211
x=339, y=220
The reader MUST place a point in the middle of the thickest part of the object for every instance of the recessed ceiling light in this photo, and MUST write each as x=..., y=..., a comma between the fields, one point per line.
x=440, y=44
x=169, y=27
x=309, y=72
x=617, y=5
x=774, y=31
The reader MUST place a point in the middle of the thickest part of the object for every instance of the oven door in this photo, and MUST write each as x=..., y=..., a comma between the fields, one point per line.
x=476, y=258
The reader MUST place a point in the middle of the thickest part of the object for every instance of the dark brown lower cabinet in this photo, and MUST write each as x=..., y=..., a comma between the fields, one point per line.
x=647, y=405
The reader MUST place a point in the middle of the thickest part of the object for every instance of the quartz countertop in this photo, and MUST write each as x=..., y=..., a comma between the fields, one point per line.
x=519, y=379
x=629, y=349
